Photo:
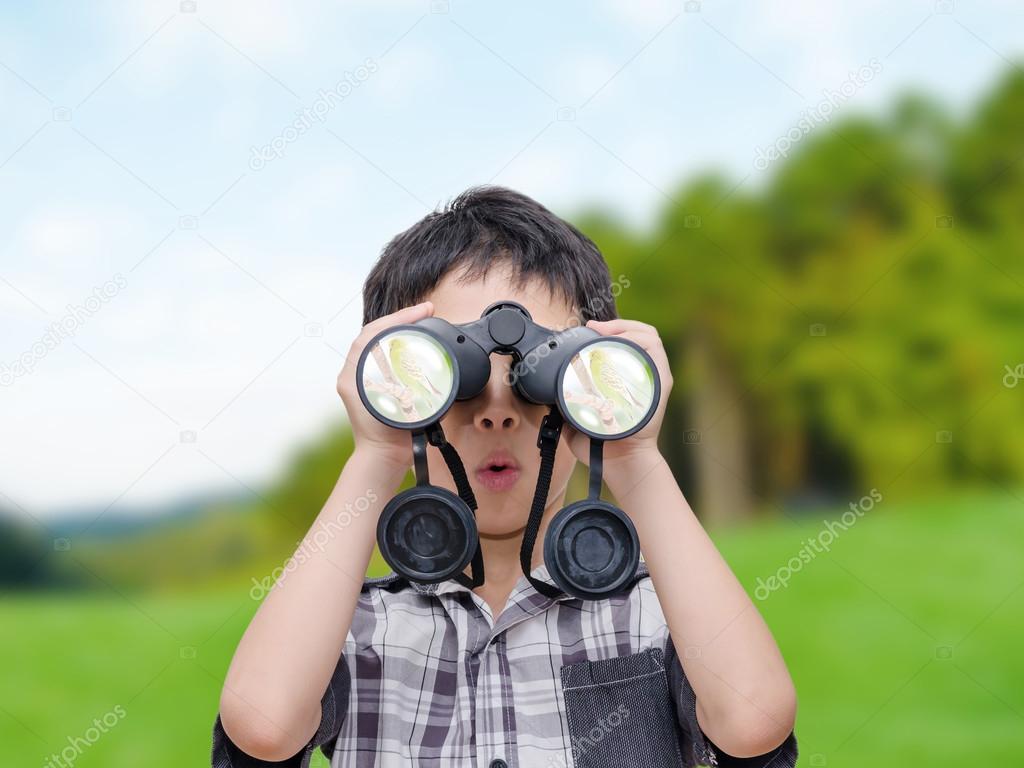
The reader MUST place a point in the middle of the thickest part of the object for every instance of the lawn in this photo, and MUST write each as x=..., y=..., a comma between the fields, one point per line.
x=904, y=642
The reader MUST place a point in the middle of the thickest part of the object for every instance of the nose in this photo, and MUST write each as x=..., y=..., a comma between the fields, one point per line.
x=497, y=407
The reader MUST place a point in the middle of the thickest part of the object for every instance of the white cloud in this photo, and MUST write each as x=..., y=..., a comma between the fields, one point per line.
x=54, y=235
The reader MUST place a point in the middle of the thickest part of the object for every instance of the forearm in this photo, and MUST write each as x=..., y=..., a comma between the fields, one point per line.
x=270, y=704
x=745, y=696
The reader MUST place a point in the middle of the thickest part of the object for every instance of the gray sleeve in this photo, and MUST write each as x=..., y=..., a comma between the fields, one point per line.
x=333, y=707
x=698, y=749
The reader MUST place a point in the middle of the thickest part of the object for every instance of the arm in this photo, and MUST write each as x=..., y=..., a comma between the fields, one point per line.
x=279, y=678
x=270, y=705
x=745, y=700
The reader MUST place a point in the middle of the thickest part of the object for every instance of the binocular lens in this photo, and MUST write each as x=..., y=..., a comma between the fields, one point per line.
x=427, y=534
x=591, y=549
x=608, y=388
x=408, y=377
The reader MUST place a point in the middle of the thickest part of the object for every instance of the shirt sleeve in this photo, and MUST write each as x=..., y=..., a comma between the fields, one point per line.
x=698, y=749
x=333, y=708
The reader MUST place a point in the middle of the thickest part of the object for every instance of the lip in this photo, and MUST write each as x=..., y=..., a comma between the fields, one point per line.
x=498, y=480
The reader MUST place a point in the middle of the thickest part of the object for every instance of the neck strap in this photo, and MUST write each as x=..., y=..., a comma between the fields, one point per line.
x=547, y=441
x=435, y=436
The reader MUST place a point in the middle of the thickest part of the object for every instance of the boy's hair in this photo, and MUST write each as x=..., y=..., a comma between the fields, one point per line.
x=483, y=227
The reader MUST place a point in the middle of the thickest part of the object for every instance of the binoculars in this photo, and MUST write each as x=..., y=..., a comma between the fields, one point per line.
x=606, y=387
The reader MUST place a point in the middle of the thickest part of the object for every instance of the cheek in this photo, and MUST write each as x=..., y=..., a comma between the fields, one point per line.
x=458, y=414
x=438, y=469
x=565, y=463
x=532, y=416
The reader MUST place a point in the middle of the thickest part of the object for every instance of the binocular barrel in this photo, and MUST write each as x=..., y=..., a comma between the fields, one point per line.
x=538, y=352
x=606, y=387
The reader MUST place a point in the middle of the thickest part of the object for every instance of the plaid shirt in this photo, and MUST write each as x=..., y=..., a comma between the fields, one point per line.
x=427, y=678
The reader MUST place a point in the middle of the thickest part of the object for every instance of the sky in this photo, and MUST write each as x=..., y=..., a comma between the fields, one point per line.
x=191, y=193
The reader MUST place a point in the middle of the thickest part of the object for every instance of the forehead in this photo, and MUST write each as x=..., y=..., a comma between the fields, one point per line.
x=461, y=301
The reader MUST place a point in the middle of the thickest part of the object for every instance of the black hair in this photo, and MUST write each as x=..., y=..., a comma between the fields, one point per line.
x=482, y=227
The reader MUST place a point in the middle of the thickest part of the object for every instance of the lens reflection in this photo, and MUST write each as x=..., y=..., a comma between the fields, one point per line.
x=408, y=376
x=608, y=388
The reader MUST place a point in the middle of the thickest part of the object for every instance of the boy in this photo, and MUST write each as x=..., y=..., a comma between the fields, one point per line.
x=676, y=669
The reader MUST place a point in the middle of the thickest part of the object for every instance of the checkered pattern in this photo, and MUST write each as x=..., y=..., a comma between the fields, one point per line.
x=428, y=678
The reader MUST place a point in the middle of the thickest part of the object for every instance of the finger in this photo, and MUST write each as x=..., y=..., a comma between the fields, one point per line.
x=620, y=324
x=405, y=315
x=650, y=342
x=645, y=338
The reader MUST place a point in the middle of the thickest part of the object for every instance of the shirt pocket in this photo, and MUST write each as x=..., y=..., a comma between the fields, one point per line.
x=620, y=712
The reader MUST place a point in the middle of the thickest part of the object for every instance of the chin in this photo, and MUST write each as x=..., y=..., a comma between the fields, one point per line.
x=513, y=532
x=501, y=524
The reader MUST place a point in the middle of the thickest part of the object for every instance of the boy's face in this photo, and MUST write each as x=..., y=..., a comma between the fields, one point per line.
x=497, y=423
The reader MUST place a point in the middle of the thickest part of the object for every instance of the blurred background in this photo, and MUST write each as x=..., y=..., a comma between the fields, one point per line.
x=820, y=206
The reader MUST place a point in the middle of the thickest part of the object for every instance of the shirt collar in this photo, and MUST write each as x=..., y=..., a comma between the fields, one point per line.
x=451, y=585
x=522, y=585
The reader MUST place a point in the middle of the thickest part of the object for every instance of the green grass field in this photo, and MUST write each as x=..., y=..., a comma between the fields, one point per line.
x=904, y=642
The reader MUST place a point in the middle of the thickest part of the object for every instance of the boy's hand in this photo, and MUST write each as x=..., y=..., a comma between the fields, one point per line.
x=391, y=444
x=642, y=443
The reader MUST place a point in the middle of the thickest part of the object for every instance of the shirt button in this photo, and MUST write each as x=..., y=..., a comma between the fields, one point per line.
x=498, y=763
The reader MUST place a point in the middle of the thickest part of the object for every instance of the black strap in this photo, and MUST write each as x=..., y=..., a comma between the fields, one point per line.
x=596, y=467
x=547, y=441
x=476, y=568
x=451, y=457
x=419, y=458
x=436, y=437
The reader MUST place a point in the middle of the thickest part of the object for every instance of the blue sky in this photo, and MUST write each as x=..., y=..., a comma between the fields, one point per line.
x=125, y=144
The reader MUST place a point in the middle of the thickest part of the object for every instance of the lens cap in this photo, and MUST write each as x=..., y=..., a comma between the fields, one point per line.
x=591, y=549
x=427, y=534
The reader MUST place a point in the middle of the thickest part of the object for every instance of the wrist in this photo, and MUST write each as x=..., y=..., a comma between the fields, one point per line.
x=387, y=468
x=625, y=471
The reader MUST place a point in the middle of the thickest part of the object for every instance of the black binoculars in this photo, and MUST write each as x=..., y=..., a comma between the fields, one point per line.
x=607, y=387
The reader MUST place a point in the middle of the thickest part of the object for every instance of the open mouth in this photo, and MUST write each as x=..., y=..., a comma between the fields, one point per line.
x=498, y=474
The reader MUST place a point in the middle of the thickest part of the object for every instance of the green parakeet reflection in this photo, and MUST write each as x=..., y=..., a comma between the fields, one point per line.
x=409, y=372
x=612, y=386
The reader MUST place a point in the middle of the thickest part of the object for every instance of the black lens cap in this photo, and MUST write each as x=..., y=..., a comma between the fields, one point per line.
x=591, y=549
x=427, y=534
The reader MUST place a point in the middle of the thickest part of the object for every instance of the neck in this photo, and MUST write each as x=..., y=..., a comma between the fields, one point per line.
x=501, y=556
